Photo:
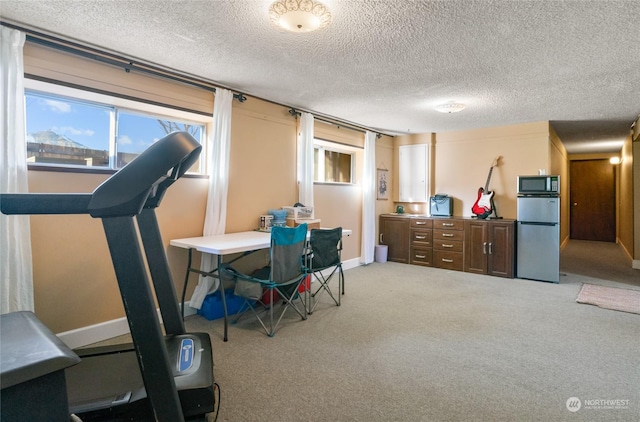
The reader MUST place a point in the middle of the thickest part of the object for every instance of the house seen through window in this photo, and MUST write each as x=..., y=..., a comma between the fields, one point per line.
x=332, y=163
x=76, y=132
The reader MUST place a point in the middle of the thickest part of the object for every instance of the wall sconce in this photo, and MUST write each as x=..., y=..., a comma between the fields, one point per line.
x=615, y=160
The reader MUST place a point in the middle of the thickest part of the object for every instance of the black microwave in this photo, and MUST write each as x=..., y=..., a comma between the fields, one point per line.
x=539, y=185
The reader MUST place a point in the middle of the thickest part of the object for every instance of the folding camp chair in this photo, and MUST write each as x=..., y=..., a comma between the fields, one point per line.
x=324, y=261
x=281, y=288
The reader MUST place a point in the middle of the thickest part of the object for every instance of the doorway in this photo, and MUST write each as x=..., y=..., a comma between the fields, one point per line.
x=592, y=200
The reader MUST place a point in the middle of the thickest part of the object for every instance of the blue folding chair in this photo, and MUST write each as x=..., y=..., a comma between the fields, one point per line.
x=281, y=288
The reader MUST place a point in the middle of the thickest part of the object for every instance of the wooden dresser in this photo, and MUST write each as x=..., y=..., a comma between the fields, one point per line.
x=452, y=243
x=448, y=243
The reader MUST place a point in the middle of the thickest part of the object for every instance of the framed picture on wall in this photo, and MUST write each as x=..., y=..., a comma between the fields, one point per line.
x=382, y=185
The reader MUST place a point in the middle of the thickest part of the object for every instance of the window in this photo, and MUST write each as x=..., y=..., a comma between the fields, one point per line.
x=333, y=162
x=136, y=132
x=73, y=128
x=65, y=131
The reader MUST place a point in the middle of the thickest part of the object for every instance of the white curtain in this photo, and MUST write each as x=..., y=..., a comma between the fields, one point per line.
x=218, y=171
x=16, y=292
x=305, y=160
x=369, y=199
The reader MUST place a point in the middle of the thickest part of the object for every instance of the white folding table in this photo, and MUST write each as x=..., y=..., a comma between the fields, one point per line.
x=221, y=245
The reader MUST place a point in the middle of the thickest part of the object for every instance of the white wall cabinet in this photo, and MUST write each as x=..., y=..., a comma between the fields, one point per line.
x=413, y=173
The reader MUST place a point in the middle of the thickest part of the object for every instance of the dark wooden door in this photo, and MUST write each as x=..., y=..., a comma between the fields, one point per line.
x=395, y=233
x=500, y=261
x=592, y=200
x=475, y=246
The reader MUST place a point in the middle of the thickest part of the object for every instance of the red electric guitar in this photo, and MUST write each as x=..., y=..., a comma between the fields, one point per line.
x=483, y=206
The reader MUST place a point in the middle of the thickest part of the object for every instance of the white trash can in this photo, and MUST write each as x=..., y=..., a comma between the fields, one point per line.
x=381, y=253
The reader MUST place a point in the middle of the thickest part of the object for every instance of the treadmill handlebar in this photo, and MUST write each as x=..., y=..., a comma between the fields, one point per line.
x=140, y=183
x=127, y=191
x=45, y=203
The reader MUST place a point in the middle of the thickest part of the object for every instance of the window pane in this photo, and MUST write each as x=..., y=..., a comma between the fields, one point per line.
x=70, y=127
x=317, y=169
x=65, y=131
x=332, y=166
x=136, y=132
x=337, y=167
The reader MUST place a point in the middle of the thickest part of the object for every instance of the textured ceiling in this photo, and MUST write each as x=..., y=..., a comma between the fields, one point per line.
x=386, y=64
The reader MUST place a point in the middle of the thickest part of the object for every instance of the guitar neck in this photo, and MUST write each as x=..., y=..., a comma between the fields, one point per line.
x=486, y=187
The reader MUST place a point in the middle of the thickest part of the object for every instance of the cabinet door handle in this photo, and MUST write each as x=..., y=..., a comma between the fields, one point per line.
x=490, y=248
x=447, y=224
x=444, y=245
x=447, y=234
x=420, y=223
x=381, y=238
x=484, y=248
x=447, y=260
x=421, y=256
x=421, y=237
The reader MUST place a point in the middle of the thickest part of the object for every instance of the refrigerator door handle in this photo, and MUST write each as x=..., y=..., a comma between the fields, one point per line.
x=536, y=223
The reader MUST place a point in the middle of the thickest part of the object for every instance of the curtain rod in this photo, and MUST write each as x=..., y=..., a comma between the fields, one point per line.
x=129, y=65
x=296, y=113
x=112, y=59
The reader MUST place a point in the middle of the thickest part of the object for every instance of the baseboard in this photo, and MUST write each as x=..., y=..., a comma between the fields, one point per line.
x=104, y=330
x=351, y=263
x=117, y=327
x=635, y=263
x=564, y=243
x=94, y=333
x=624, y=249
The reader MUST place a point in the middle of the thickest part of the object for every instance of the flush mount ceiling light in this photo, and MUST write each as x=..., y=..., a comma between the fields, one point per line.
x=450, y=107
x=300, y=15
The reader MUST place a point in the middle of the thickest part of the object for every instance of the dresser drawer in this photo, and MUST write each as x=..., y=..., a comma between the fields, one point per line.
x=448, y=224
x=439, y=234
x=421, y=237
x=421, y=256
x=448, y=245
x=448, y=260
x=421, y=223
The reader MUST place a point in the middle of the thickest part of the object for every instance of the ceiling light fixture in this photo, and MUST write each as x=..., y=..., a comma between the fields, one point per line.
x=300, y=15
x=450, y=107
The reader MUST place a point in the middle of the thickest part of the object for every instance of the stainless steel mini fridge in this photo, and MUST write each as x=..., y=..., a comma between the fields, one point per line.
x=538, y=238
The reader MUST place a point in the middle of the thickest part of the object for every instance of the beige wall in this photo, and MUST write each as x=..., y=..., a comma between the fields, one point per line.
x=71, y=69
x=635, y=170
x=73, y=278
x=559, y=164
x=74, y=281
x=463, y=159
x=624, y=195
x=460, y=162
x=385, y=160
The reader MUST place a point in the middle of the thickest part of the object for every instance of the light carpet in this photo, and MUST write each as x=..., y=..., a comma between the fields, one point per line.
x=610, y=298
x=413, y=343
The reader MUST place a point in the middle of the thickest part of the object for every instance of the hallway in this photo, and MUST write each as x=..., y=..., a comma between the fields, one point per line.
x=598, y=260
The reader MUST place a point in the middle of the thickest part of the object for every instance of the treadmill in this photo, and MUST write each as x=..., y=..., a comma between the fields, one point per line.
x=158, y=377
